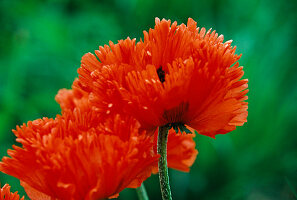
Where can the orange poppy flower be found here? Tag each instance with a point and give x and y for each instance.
(63, 158)
(181, 147)
(5, 194)
(178, 75)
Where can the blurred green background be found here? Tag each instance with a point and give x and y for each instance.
(41, 43)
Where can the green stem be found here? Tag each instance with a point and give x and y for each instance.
(163, 169)
(141, 192)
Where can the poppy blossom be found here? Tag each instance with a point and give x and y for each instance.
(177, 75)
(5, 194)
(63, 158)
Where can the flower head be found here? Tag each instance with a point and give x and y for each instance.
(178, 75)
(5, 194)
(65, 159)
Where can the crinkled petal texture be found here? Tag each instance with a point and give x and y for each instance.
(177, 74)
(5, 194)
(64, 158)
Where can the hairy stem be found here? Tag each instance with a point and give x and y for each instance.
(163, 169)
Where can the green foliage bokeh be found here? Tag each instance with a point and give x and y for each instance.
(41, 43)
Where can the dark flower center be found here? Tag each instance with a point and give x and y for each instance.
(179, 126)
(175, 117)
(161, 74)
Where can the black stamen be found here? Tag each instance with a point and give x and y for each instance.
(180, 126)
(161, 74)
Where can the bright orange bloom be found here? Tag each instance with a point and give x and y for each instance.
(181, 147)
(5, 194)
(178, 75)
(64, 158)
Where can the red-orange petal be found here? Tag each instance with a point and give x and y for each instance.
(6, 194)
